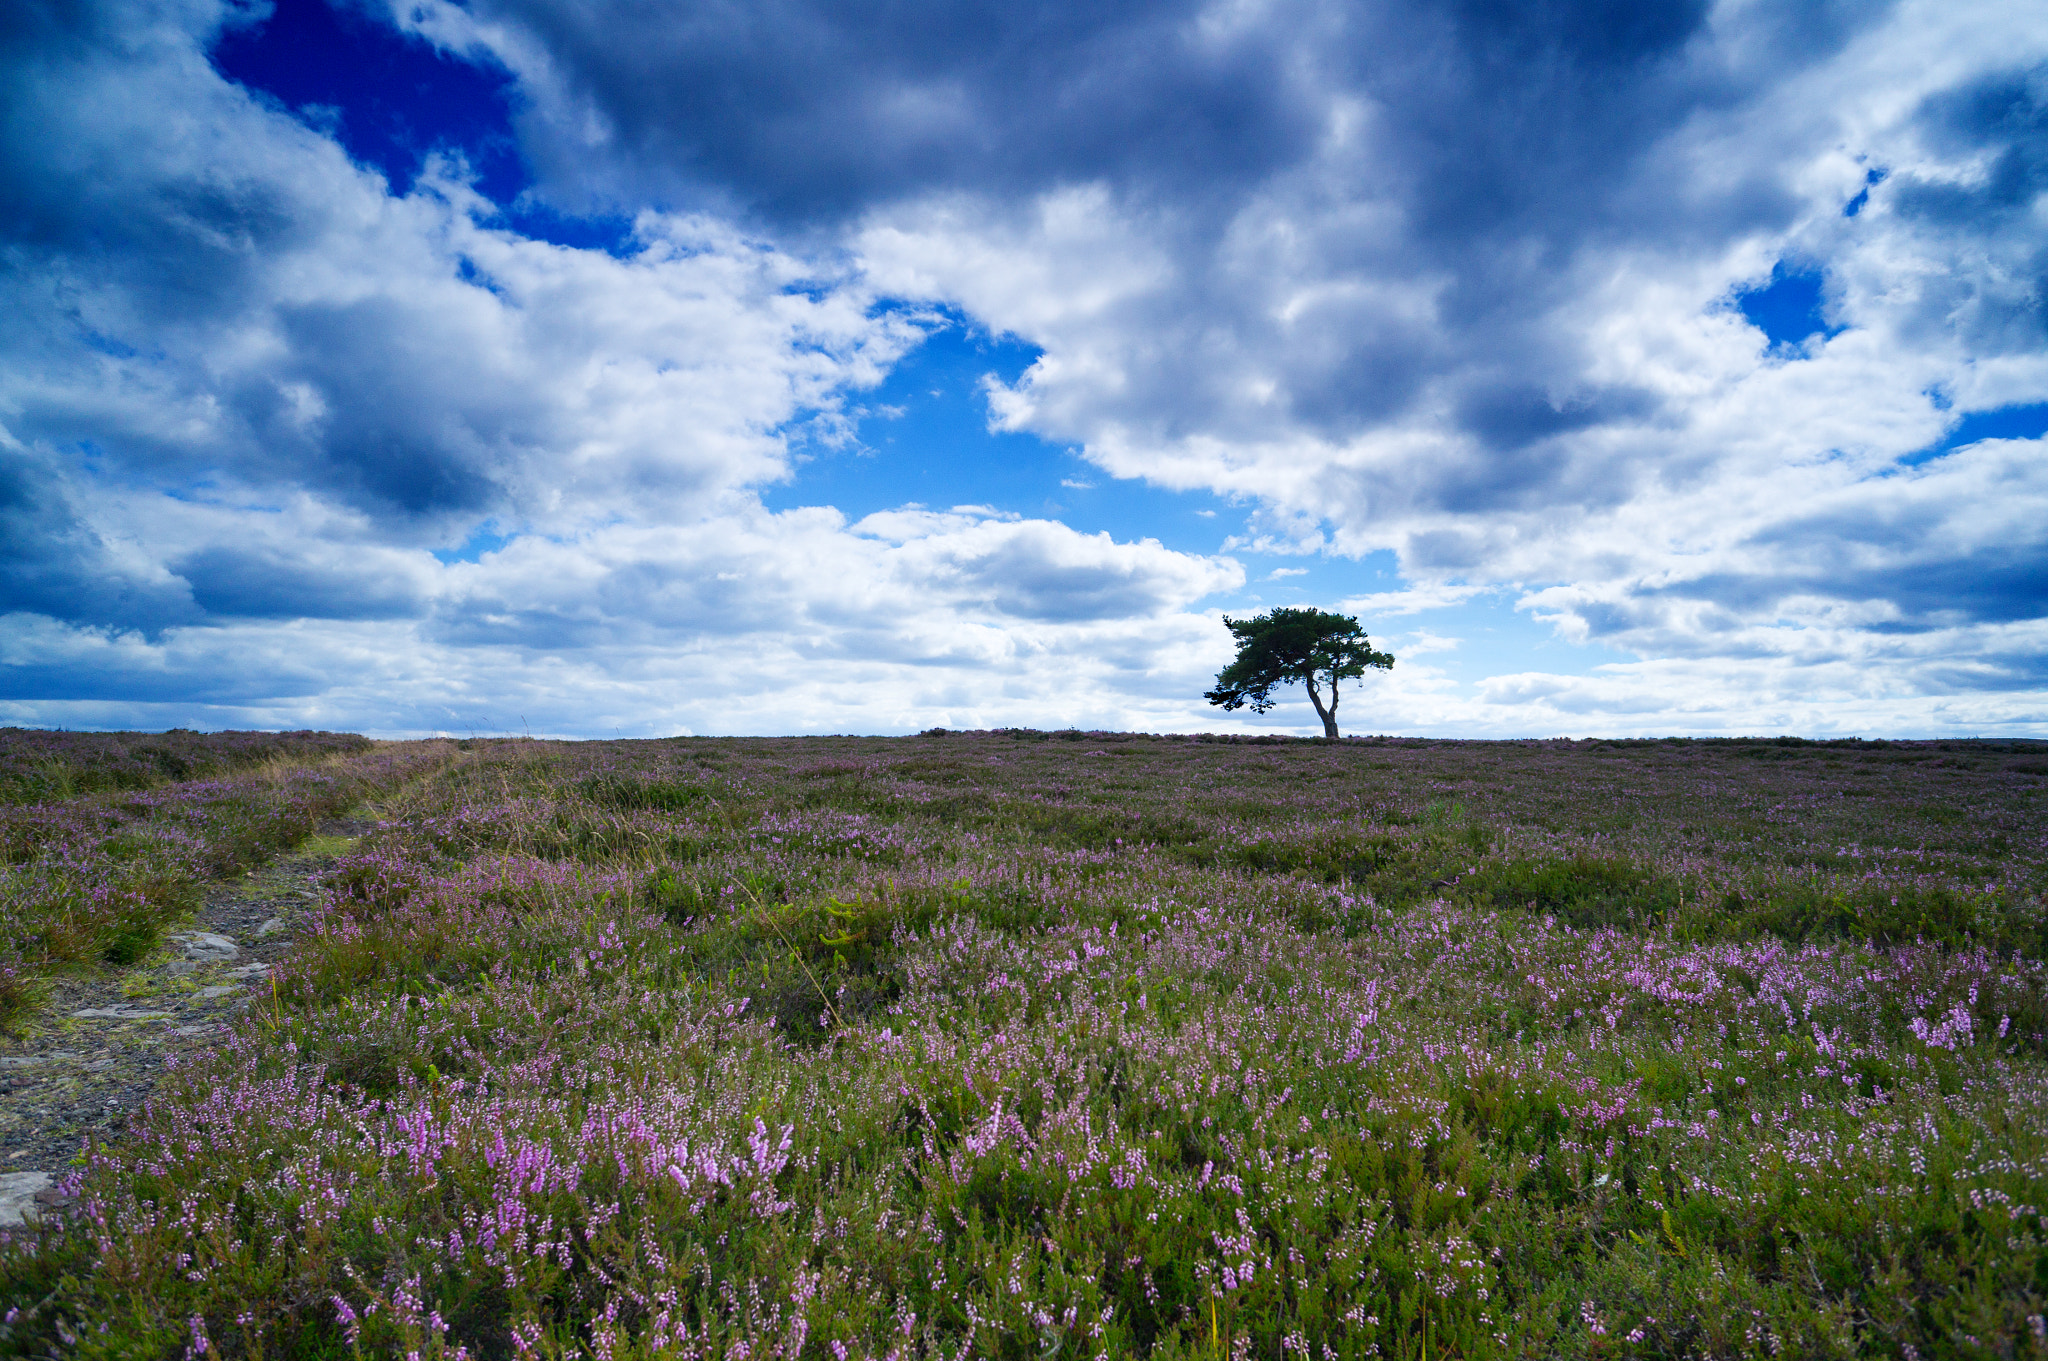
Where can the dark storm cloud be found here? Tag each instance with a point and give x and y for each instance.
(2004, 114)
(1024, 581)
(207, 683)
(273, 584)
(419, 423)
(1995, 586)
(1514, 116)
(1999, 121)
(1507, 136)
(53, 562)
(801, 109)
(185, 234)
(1512, 416)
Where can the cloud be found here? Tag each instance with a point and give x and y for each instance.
(1509, 349)
(208, 300)
(774, 620)
(53, 562)
(1044, 571)
(1422, 642)
(886, 583)
(65, 666)
(271, 584)
(804, 111)
(1433, 597)
(1681, 326)
(1952, 548)
(207, 288)
(251, 390)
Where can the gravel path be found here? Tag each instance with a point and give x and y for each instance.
(98, 1048)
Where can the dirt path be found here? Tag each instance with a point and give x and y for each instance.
(100, 1044)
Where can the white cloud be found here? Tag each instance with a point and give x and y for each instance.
(1322, 270)
(754, 621)
(1664, 485)
(279, 449)
(1432, 597)
(1422, 642)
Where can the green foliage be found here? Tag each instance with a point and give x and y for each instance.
(621, 791)
(1289, 645)
(38, 766)
(96, 880)
(1583, 890)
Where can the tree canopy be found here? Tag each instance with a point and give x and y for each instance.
(1312, 646)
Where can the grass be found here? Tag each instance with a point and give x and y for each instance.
(1034, 1045)
(91, 882)
(38, 766)
(321, 846)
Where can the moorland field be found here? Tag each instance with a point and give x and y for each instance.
(1041, 1045)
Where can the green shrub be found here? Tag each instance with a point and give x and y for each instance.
(1582, 890)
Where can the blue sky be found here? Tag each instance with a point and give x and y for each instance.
(589, 367)
(923, 437)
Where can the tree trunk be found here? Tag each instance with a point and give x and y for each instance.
(1329, 715)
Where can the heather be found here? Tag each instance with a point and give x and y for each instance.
(1024, 1044)
(94, 880)
(38, 766)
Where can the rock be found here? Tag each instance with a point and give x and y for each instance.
(35, 1060)
(205, 947)
(218, 990)
(18, 1193)
(249, 971)
(190, 1030)
(122, 1012)
(273, 927)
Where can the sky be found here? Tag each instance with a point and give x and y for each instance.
(637, 367)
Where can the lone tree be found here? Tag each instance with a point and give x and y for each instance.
(1310, 646)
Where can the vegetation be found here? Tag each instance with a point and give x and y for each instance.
(94, 881)
(39, 766)
(1313, 647)
(1032, 1045)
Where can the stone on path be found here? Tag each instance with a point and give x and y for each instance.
(123, 1012)
(273, 927)
(206, 947)
(18, 1196)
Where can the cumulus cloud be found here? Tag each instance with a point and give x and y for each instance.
(1516, 352)
(803, 111)
(1698, 330)
(207, 288)
(885, 584)
(795, 621)
(254, 404)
